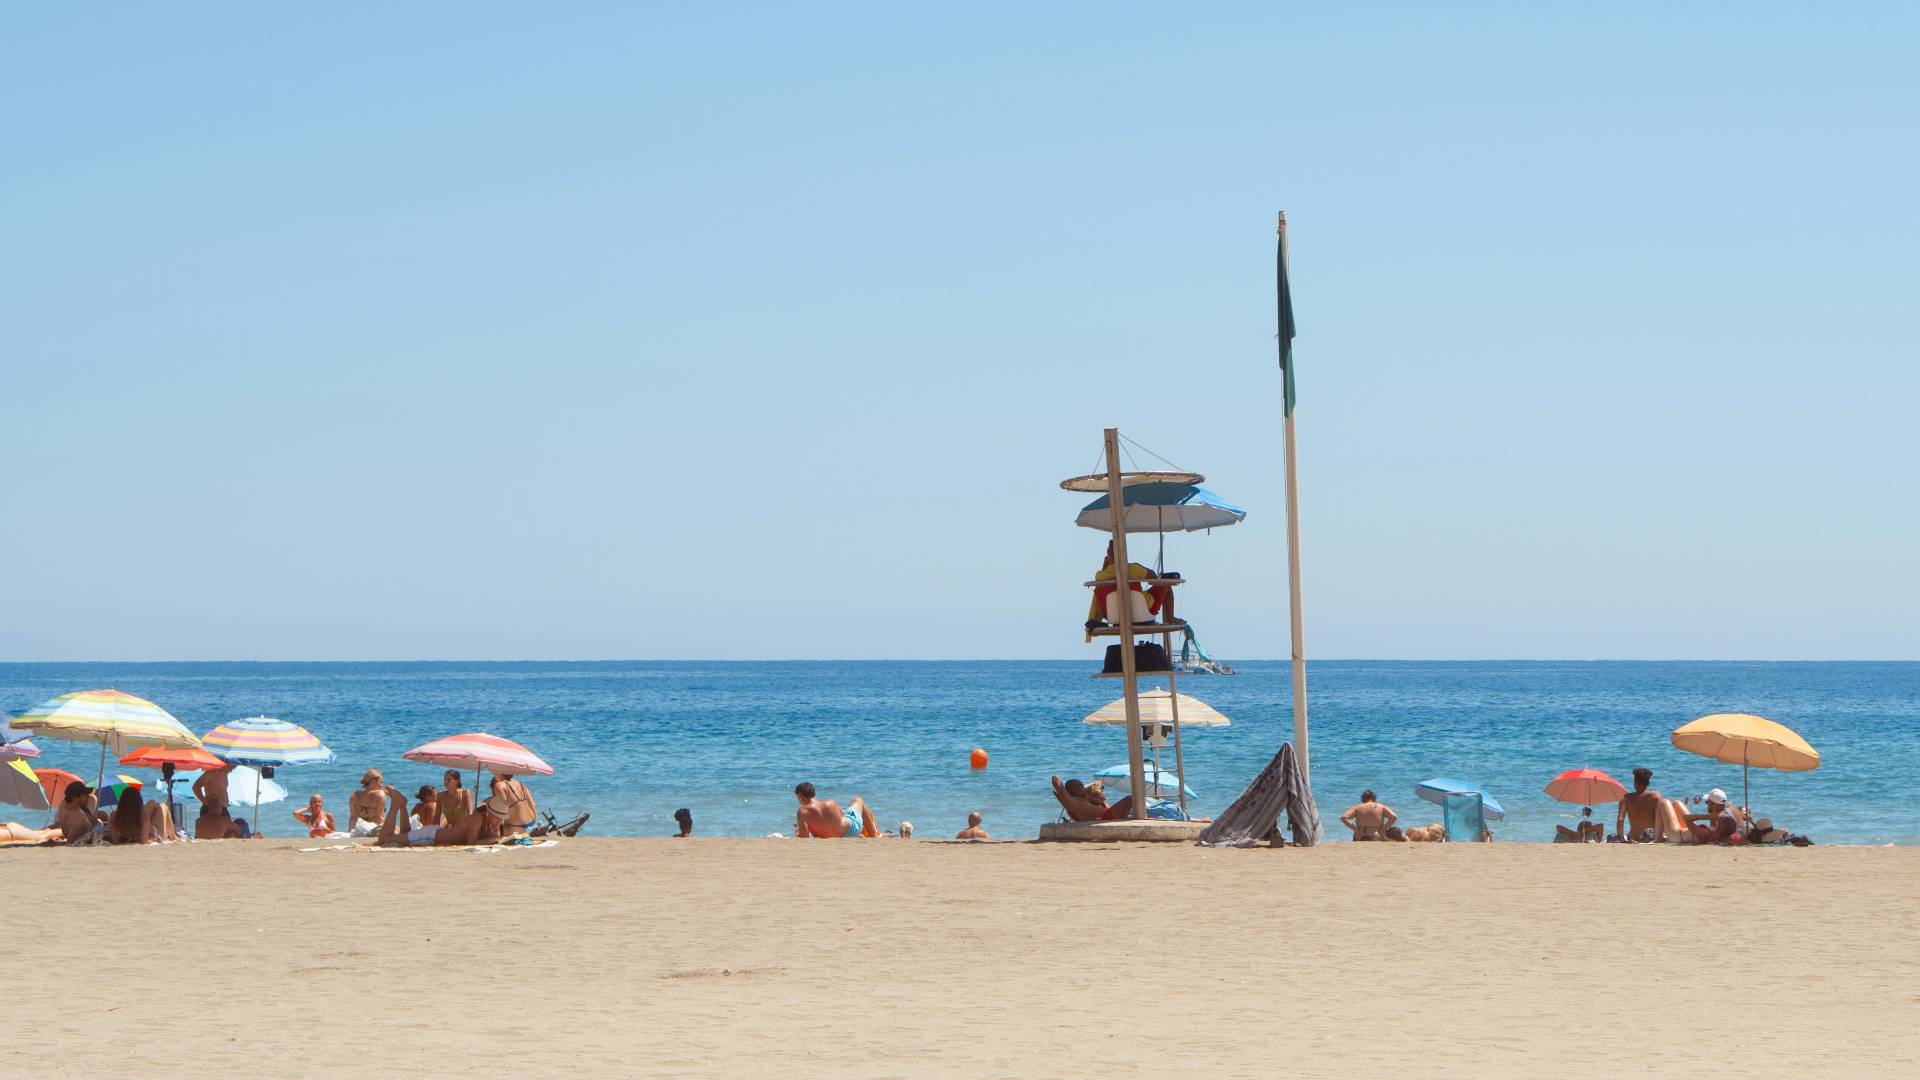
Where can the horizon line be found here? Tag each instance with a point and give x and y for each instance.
(1001, 659)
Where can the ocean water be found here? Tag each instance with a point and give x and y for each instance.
(631, 741)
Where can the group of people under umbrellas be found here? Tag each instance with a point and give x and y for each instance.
(145, 735)
(443, 817)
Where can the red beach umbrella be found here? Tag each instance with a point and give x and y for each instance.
(1585, 787)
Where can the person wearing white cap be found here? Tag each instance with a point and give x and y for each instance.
(1719, 825)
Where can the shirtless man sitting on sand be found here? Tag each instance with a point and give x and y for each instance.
(1081, 805)
(1640, 808)
(823, 819)
(214, 823)
(482, 827)
(79, 814)
(973, 831)
(1368, 818)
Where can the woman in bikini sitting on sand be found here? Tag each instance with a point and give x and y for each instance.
(136, 821)
(478, 828)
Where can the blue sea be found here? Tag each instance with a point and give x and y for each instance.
(632, 741)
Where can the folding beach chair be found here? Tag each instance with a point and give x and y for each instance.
(1465, 817)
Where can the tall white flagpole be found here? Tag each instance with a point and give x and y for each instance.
(1293, 556)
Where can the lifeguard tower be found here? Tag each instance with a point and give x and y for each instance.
(1145, 499)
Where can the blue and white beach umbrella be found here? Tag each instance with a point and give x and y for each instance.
(1161, 783)
(244, 785)
(1437, 790)
(1163, 508)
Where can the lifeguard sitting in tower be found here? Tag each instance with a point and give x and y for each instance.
(1155, 602)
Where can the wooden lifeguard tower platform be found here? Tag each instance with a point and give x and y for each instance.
(1138, 826)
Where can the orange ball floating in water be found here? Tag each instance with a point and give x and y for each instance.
(979, 758)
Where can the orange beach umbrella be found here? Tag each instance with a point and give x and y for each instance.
(1746, 740)
(54, 782)
(188, 758)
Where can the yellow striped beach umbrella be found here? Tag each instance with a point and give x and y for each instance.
(117, 721)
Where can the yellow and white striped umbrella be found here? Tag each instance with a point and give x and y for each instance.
(1156, 707)
(118, 722)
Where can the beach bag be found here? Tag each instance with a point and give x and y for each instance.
(1148, 657)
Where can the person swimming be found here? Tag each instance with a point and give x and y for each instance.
(684, 817)
(973, 831)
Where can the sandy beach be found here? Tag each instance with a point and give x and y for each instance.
(910, 959)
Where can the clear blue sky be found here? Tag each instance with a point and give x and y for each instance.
(503, 331)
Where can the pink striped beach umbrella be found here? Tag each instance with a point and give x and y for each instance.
(479, 750)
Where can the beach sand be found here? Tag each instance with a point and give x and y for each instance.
(910, 959)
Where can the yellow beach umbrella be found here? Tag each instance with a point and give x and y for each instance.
(117, 721)
(1746, 740)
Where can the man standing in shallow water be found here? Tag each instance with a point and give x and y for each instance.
(1641, 808)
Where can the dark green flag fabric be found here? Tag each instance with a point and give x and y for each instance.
(1286, 321)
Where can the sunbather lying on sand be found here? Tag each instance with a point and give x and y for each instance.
(1081, 805)
(478, 828)
(12, 832)
(823, 819)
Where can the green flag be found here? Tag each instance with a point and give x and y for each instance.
(1286, 320)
